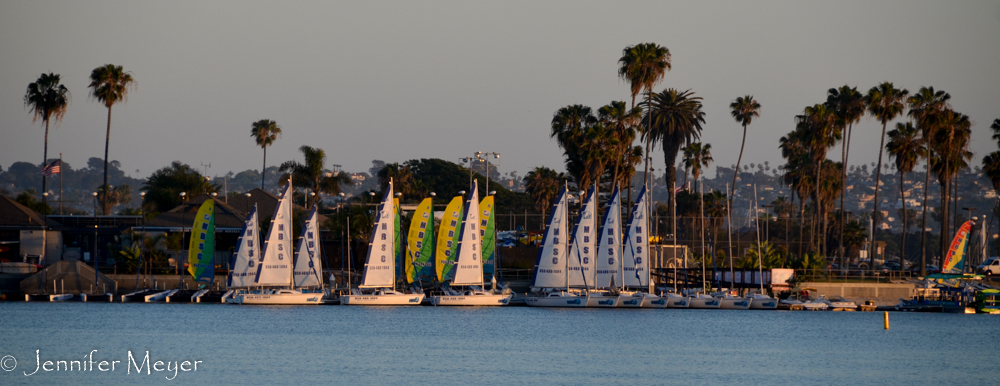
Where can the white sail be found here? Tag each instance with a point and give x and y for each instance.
(580, 264)
(275, 268)
(469, 264)
(243, 270)
(380, 267)
(635, 253)
(609, 247)
(308, 263)
(550, 268)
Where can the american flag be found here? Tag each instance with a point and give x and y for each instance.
(52, 168)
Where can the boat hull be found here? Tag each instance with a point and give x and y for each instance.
(159, 296)
(678, 301)
(277, 299)
(556, 301)
(764, 304)
(382, 300)
(472, 300)
(704, 303)
(602, 301)
(653, 301)
(735, 303)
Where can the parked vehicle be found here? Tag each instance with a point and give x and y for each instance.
(890, 266)
(990, 267)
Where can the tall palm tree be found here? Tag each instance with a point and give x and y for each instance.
(264, 132)
(924, 105)
(950, 149)
(850, 106)
(403, 179)
(643, 66)
(543, 184)
(311, 175)
(821, 128)
(622, 121)
(676, 118)
(569, 125)
(46, 98)
(797, 171)
(696, 156)
(744, 109)
(906, 147)
(110, 84)
(885, 102)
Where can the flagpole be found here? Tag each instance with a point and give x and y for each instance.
(60, 185)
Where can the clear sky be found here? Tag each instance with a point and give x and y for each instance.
(436, 79)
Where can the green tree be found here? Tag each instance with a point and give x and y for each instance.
(924, 106)
(906, 147)
(850, 106)
(404, 181)
(110, 84)
(950, 155)
(696, 156)
(29, 198)
(622, 121)
(820, 127)
(311, 175)
(543, 185)
(643, 66)
(744, 109)
(264, 133)
(46, 98)
(112, 196)
(885, 102)
(164, 186)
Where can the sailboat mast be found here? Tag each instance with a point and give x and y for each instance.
(760, 268)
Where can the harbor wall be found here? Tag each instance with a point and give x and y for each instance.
(127, 282)
(884, 292)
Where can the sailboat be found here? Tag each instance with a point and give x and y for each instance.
(549, 284)
(274, 277)
(378, 283)
(308, 261)
(447, 244)
(469, 264)
(419, 267)
(607, 267)
(635, 261)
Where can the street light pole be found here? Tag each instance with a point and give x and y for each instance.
(96, 263)
(142, 238)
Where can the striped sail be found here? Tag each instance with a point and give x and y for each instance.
(955, 260)
(243, 269)
(308, 262)
(469, 263)
(201, 250)
(447, 243)
(420, 244)
(487, 227)
(609, 245)
(550, 267)
(380, 262)
(580, 264)
(275, 264)
(634, 247)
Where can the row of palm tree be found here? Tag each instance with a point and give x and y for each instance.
(48, 99)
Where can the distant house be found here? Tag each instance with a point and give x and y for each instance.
(24, 238)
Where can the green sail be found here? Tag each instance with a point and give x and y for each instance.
(201, 250)
(447, 243)
(420, 244)
(487, 232)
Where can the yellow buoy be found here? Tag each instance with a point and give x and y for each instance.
(886, 320)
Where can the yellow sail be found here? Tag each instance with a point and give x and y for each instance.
(420, 251)
(447, 245)
(201, 251)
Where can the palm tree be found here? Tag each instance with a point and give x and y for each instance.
(543, 184)
(797, 171)
(264, 132)
(885, 102)
(46, 98)
(906, 146)
(950, 148)
(696, 156)
(622, 121)
(569, 125)
(403, 178)
(744, 109)
(820, 126)
(850, 106)
(109, 84)
(312, 176)
(996, 129)
(643, 66)
(924, 105)
(676, 118)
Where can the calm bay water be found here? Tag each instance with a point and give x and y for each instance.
(514, 345)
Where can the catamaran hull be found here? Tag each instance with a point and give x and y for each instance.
(653, 301)
(277, 299)
(735, 304)
(557, 301)
(472, 300)
(382, 300)
(600, 301)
